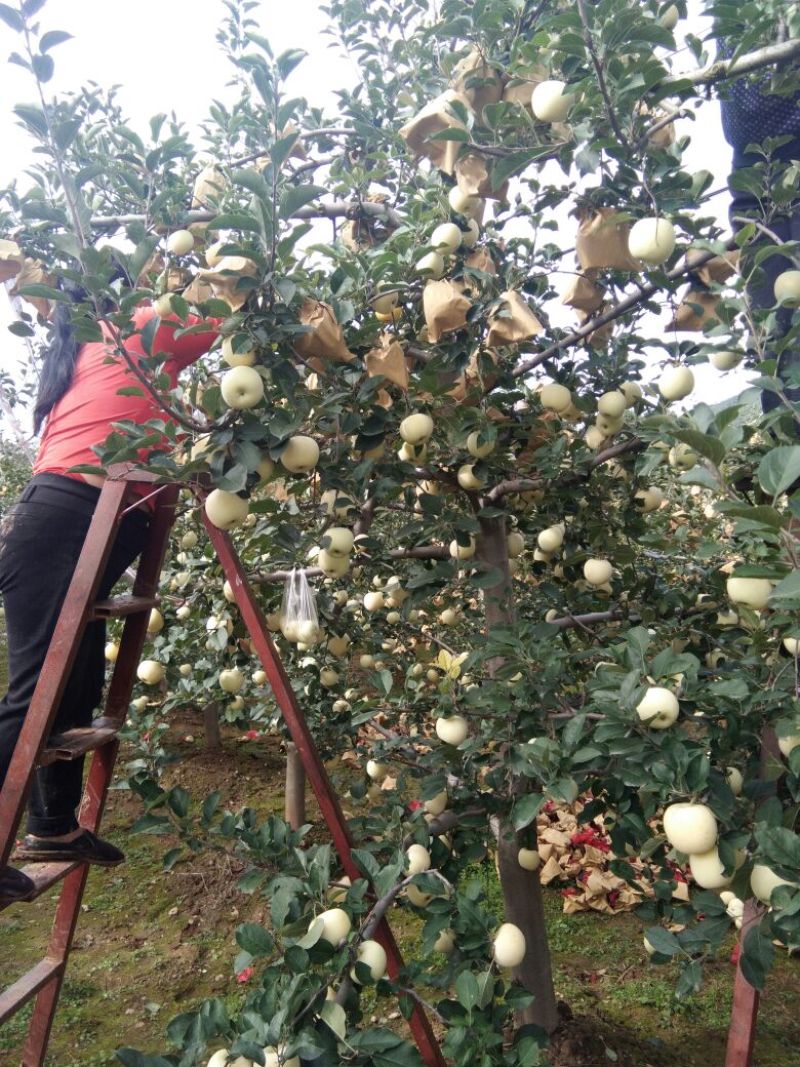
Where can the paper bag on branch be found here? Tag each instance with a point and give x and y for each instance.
(11, 260)
(513, 322)
(697, 309)
(224, 278)
(600, 337)
(472, 175)
(387, 359)
(436, 116)
(663, 137)
(445, 308)
(198, 292)
(324, 342)
(520, 87)
(210, 186)
(32, 273)
(482, 261)
(475, 79)
(602, 241)
(361, 233)
(717, 270)
(583, 294)
(471, 376)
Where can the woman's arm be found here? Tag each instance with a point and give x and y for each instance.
(186, 349)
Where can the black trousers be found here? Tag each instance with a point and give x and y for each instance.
(40, 543)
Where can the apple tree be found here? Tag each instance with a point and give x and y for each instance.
(545, 567)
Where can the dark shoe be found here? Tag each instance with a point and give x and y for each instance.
(14, 885)
(86, 848)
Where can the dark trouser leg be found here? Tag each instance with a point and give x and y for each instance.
(37, 559)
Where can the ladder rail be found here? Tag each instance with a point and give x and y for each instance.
(326, 795)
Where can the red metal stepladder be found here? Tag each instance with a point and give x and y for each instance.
(35, 746)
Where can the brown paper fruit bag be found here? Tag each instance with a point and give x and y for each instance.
(436, 116)
(224, 278)
(32, 273)
(358, 234)
(210, 186)
(602, 241)
(472, 175)
(583, 294)
(663, 137)
(445, 308)
(475, 79)
(482, 261)
(600, 337)
(11, 260)
(324, 342)
(387, 360)
(198, 292)
(717, 270)
(512, 322)
(698, 308)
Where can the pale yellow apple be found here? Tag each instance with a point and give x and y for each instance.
(509, 946)
(652, 240)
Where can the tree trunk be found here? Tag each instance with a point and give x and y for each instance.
(295, 793)
(211, 726)
(522, 891)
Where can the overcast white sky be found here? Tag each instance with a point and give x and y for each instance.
(164, 56)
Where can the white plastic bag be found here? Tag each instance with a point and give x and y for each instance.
(299, 620)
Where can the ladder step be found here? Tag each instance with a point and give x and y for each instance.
(75, 743)
(117, 607)
(44, 876)
(12, 999)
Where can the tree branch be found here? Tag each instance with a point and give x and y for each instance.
(421, 552)
(513, 485)
(601, 79)
(281, 576)
(351, 209)
(643, 293)
(723, 69)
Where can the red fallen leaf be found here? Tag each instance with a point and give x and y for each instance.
(570, 891)
(414, 805)
(590, 837)
(252, 735)
(613, 897)
(245, 975)
(735, 953)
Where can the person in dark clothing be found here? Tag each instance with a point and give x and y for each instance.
(751, 115)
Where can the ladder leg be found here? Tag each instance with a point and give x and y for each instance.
(744, 1011)
(325, 793)
(44, 1009)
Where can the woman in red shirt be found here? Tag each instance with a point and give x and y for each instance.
(83, 389)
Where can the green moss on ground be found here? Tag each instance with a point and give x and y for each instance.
(150, 945)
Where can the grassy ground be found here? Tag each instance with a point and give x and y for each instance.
(151, 944)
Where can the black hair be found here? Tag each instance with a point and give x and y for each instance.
(61, 353)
